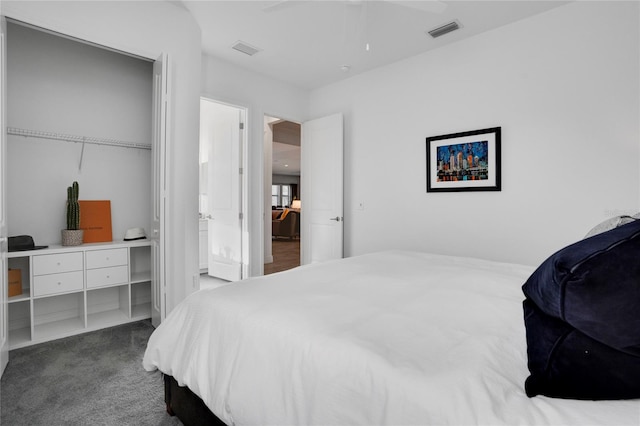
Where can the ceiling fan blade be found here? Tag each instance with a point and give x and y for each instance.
(272, 6)
(431, 6)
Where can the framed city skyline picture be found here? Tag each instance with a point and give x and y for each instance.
(465, 161)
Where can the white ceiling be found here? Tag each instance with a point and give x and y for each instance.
(306, 43)
(286, 159)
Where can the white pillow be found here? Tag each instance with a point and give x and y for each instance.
(610, 224)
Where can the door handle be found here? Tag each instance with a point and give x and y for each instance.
(337, 218)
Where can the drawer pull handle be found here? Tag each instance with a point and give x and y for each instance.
(58, 263)
(59, 283)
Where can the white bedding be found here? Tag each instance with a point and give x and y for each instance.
(387, 338)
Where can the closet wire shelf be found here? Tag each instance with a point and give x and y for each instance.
(74, 138)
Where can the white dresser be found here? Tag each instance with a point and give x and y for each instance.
(72, 290)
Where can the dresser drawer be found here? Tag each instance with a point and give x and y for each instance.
(57, 283)
(106, 258)
(56, 263)
(107, 276)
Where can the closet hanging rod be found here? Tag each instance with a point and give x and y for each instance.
(74, 138)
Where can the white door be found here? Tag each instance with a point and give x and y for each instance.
(4, 317)
(159, 190)
(221, 130)
(321, 180)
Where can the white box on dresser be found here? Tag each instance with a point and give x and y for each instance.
(72, 290)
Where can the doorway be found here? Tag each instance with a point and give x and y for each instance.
(282, 194)
(222, 189)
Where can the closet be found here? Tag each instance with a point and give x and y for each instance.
(76, 112)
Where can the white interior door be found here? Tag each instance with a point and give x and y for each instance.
(4, 317)
(321, 181)
(221, 131)
(159, 190)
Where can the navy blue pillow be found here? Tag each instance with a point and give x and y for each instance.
(565, 363)
(594, 286)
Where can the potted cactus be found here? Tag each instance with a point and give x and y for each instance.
(72, 236)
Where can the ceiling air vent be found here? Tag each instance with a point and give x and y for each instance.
(243, 47)
(446, 28)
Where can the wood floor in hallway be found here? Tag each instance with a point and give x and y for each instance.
(286, 255)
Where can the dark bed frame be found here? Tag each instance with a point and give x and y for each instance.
(187, 406)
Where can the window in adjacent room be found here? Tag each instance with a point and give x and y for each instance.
(280, 195)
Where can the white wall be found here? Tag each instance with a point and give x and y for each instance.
(261, 95)
(564, 87)
(148, 29)
(62, 86)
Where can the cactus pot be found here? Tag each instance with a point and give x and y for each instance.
(72, 237)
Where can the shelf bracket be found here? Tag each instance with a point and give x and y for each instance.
(81, 155)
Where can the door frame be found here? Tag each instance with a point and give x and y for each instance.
(4, 306)
(159, 182)
(266, 193)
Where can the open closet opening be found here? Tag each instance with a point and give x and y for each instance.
(76, 112)
(282, 192)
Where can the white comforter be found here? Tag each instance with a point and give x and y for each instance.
(388, 338)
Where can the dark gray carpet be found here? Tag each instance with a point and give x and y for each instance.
(91, 379)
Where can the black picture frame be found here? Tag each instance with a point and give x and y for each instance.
(464, 161)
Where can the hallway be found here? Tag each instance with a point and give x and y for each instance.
(286, 255)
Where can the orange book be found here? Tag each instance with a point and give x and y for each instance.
(15, 282)
(95, 220)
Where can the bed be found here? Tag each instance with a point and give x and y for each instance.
(393, 338)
